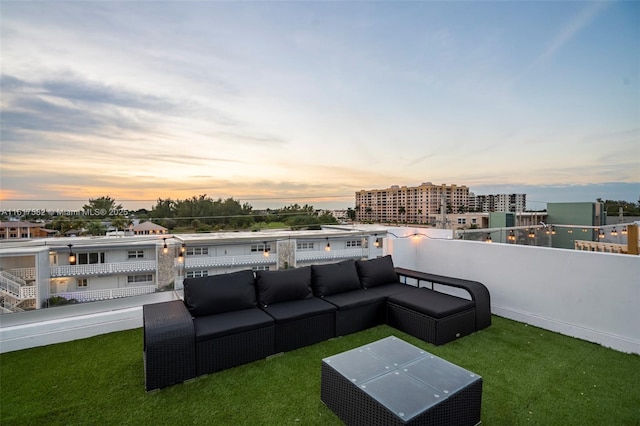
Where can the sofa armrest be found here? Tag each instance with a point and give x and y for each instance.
(478, 292)
(169, 344)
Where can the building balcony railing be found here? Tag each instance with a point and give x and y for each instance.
(192, 262)
(114, 293)
(26, 274)
(102, 268)
(305, 256)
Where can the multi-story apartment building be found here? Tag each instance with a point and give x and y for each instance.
(17, 230)
(422, 204)
(498, 202)
(97, 268)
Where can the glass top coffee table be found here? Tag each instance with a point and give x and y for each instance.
(390, 382)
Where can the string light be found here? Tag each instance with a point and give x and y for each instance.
(328, 246)
(266, 250)
(165, 249)
(488, 240)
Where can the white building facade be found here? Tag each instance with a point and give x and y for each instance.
(41, 273)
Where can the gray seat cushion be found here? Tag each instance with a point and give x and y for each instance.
(354, 298)
(228, 323)
(393, 288)
(298, 309)
(431, 303)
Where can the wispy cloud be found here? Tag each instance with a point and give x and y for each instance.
(568, 32)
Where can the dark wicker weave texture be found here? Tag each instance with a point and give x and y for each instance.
(229, 351)
(355, 407)
(169, 346)
(360, 318)
(296, 334)
(432, 330)
(478, 292)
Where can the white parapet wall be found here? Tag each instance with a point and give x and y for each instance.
(589, 295)
(71, 322)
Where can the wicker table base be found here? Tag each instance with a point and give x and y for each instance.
(391, 382)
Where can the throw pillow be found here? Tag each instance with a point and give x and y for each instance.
(217, 294)
(334, 278)
(283, 286)
(375, 272)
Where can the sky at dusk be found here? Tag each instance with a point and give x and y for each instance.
(308, 102)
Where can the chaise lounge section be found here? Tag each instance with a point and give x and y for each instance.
(235, 318)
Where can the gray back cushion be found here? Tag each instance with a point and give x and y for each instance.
(375, 272)
(283, 286)
(334, 278)
(220, 293)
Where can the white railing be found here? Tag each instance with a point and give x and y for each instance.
(114, 293)
(28, 292)
(102, 268)
(24, 273)
(333, 254)
(7, 307)
(249, 259)
(11, 277)
(14, 286)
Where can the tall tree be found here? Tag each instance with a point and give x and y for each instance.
(102, 207)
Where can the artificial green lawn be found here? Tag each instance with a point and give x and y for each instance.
(531, 376)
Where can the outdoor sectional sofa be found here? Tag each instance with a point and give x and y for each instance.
(231, 319)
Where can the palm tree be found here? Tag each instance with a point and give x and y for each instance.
(120, 222)
(402, 212)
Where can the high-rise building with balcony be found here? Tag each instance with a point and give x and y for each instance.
(422, 204)
(498, 202)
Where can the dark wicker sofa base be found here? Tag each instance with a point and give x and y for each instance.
(432, 330)
(179, 346)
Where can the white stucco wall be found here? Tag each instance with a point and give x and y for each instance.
(589, 295)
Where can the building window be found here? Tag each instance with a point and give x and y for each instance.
(135, 254)
(90, 258)
(82, 283)
(198, 251)
(354, 243)
(305, 246)
(25, 235)
(139, 278)
(462, 221)
(197, 274)
(260, 268)
(261, 248)
(474, 220)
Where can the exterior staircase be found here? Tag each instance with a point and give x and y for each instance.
(15, 293)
